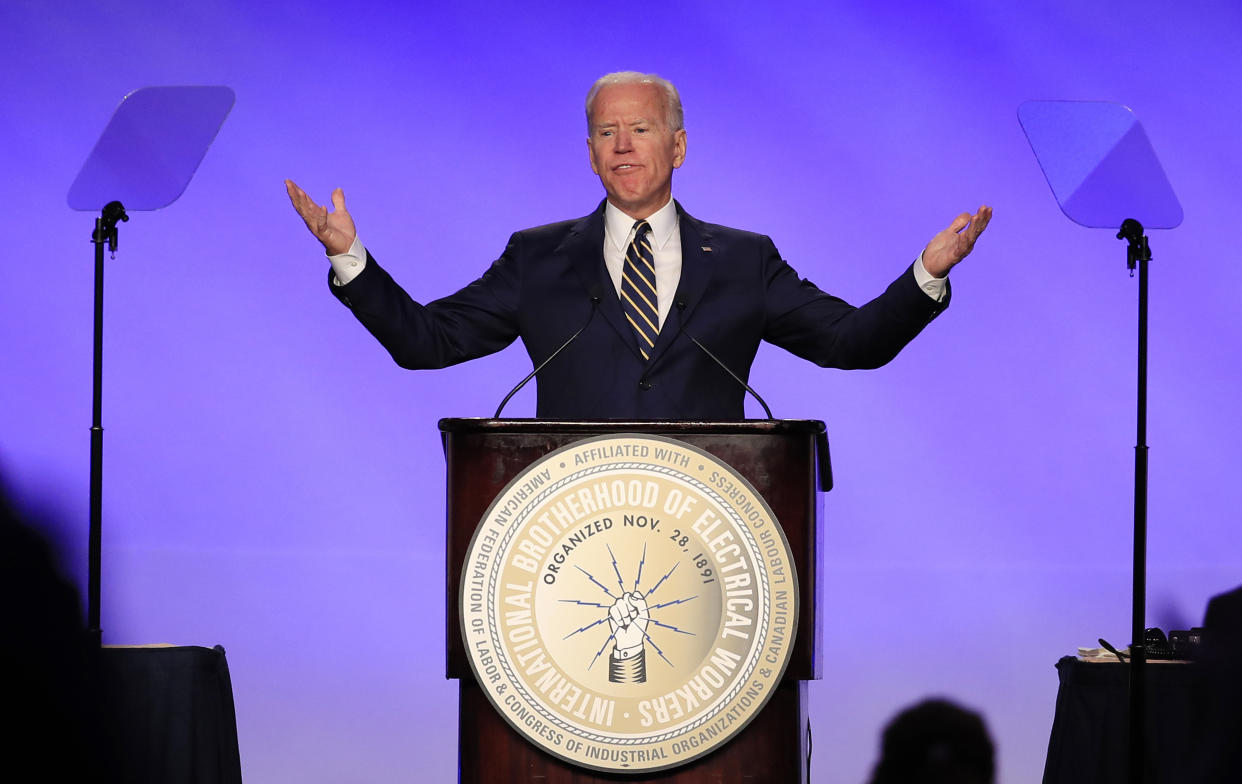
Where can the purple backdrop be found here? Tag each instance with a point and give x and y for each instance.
(274, 483)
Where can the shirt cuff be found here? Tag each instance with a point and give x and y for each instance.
(347, 265)
(932, 287)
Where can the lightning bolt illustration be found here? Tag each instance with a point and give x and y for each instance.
(657, 647)
(666, 604)
(668, 626)
(639, 578)
(584, 628)
(620, 582)
(601, 650)
(662, 579)
(597, 582)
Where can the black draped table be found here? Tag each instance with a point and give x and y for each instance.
(1090, 729)
(168, 712)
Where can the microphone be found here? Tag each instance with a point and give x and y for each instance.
(681, 308)
(595, 299)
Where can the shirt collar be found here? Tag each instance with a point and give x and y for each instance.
(619, 227)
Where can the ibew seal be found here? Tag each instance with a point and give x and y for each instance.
(629, 603)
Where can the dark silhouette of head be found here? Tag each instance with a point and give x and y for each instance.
(936, 742)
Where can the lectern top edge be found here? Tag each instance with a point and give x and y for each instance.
(484, 425)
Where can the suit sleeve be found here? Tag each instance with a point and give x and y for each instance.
(832, 333)
(479, 319)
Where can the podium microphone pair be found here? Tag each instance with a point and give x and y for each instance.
(596, 298)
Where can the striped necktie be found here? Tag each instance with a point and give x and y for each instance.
(638, 288)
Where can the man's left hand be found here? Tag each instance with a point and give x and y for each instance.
(955, 242)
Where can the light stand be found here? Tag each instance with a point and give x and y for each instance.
(1138, 254)
(105, 234)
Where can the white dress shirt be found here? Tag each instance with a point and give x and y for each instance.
(665, 248)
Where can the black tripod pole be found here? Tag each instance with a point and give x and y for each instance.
(105, 233)
(1137, 255)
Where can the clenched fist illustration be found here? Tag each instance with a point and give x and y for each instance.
(628, 618)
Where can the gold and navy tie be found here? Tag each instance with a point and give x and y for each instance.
(638, 288)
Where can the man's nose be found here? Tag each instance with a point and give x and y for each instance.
(621, 141)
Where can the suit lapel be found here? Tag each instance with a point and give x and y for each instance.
(696, 272)
(584, 246)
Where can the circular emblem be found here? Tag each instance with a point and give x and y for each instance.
(629, 603)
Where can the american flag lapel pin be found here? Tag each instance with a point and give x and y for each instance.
(706, 248)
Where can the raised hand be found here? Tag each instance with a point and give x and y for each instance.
(628, 618)
(334, 229)
(955, 242)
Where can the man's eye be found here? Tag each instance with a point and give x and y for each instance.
(605, 133)
(640, 130)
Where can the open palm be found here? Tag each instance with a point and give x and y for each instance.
(955, 242)
(334, 229)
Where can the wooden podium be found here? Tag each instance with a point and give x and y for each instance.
(787, 463)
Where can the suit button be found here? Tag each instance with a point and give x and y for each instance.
(644, 384)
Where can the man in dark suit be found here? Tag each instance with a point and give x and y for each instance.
(649, 292)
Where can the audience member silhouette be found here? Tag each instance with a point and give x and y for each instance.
(936, 742)
(1218, 757)
(51, 704)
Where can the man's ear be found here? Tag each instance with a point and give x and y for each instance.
(679, 151)
(591, 156)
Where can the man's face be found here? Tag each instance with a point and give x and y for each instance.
(632, 148)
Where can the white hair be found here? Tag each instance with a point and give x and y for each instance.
(674, 116)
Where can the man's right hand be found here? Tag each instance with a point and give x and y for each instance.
(334, 229)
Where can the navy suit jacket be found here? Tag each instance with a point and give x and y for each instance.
(735, 291)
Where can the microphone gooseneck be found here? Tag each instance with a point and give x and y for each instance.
(595, 299)
(681, 307)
